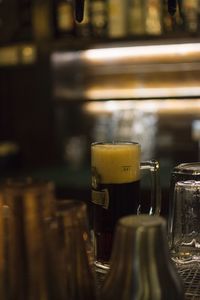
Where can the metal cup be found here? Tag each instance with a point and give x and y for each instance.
(141, 267)
(26, 208)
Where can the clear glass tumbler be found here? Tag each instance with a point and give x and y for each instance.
(185, 234)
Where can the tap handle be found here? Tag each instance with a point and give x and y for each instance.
(171, 7)
(79, 9)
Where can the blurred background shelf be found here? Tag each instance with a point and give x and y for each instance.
(128, 72)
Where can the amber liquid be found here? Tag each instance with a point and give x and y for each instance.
(123, 200)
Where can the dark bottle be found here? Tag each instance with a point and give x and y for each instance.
(24, 32)
(141, 268)
(168, 20)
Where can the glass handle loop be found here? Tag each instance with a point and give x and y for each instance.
(154, 168)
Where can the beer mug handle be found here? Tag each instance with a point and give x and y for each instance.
(154, 168)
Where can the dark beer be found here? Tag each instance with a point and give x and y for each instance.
(115, 190)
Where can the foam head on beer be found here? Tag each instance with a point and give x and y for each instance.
(117, 162)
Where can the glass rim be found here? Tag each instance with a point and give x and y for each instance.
(192, 168)
(144, 220)
(115, 143)
(189, 184)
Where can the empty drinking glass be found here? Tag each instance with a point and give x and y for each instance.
(185, 234)
(181, 172)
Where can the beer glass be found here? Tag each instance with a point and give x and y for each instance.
(181, 172)
(115, 191)
(185, 247)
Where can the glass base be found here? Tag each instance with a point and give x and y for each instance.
(186, 261)
(185, 258)
(101, 267)
(101, 270)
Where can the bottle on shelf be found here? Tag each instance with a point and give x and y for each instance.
(117, 18)
(65, 24)
(191, 11)
(168, 20)
(98, 17)
(153, 17)
(136, 17)
(43, 20)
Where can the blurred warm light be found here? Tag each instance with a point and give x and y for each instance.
(109, 54)
(160, 106)
(9, 56)
(28, 54)
(196, 130)
(18, 54)
(143, 92)
(132, 53)
(65, 57)
(27, 51)
(131, 72)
